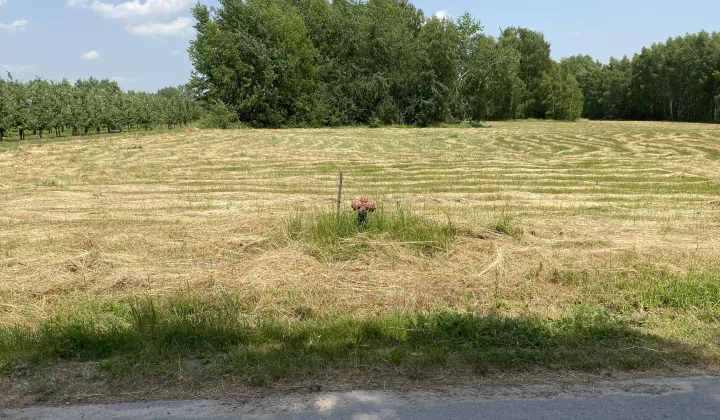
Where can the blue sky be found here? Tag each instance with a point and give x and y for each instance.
(142, 43)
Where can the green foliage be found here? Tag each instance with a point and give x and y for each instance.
(257, 57)
(312, 62)
(92, 104)
(563, 97)
(219, 115)
(675, 80)
(332, 237)
(488, 86)
(388, 112)
(535, 61)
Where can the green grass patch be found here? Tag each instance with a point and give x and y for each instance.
(507, 225)
(204, 338)
(332, 236)
(645, 288)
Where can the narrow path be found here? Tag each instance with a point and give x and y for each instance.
(677, 399)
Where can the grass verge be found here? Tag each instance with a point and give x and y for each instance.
(204, 338)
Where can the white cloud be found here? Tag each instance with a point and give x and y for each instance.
(141, 16)
(91, 55)
(442, 14)
(180, 27)
(18, 25)
(134, 9)
(3, 2)
(17, 69)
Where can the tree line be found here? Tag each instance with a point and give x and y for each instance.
(272, 63)
(345, 62)
(314, 62)
(677, 80)
(41, 106)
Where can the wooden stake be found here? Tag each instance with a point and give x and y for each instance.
(339, 194)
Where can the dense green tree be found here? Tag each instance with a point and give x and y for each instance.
(380, 61)
(674, 80)
(344, 62)
(561, 92)
(589, 74)
(41, 106)
(615, 102)
(489, 86)
(18, 107)
(256, 57)
(535, 61)
(426, 92)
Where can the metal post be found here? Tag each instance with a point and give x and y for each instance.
(339, 194)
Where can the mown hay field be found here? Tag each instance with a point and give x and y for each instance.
(618, 217)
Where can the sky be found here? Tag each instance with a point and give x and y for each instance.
(142, 44)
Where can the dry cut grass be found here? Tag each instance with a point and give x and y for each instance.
(547, 217)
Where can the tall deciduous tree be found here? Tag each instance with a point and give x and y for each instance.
(256, 57)
(535, 61)
(561, 93)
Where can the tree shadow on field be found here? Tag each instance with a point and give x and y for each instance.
(190, 340)
(416, 345)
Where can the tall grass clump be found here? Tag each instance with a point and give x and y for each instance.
(507, 225)
(328, 235)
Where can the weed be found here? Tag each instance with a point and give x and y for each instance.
(507, 225)
(50, 183)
